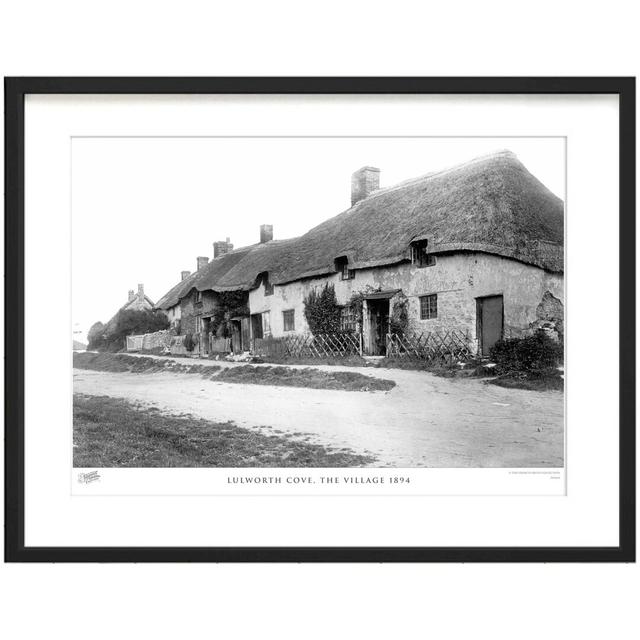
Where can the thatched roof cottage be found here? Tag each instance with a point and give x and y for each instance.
(477, 248)
(139, 301)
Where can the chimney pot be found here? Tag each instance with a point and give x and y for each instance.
(202, 261)
(266, 233)
(132, 295)
(221, 247)
(141, 291)
(363, 183)
(184, 275)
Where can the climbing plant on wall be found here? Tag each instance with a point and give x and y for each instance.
(321, 310)
(229, 304)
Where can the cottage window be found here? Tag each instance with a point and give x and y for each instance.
(266, 323)
(288, 319)
(348, 274)
(429, 307)
(348, 320)
(420, 256)
(342, 266)
(198, 297)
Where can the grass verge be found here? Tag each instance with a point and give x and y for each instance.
(242, 374)
(111, 432)
(539, 381)
(339, 361)
(125, 363)
(310, 378)
(410, 364)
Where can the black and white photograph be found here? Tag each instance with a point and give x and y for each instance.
(320, 320)
(318, 302)
(331, 326)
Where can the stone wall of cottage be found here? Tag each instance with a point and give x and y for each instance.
(457, 279)
(191, 310)
(173, 314)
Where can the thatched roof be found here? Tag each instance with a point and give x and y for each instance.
(136, 302)
(491, 205)
(203, 279)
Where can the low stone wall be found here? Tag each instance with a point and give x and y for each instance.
(157, 339)
(148, 341)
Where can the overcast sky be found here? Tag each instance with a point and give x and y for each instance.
(144, 208)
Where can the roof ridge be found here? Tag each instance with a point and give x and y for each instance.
(249, 247)
(472, 214)
(434, 174)
(222, 255)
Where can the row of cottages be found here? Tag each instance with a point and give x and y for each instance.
(477, 248)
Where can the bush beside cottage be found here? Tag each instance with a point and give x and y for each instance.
(530, 362)
(111, 337)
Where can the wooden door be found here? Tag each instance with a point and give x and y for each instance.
(490, 320)
(382, 328)
(205, 325)
(236, 337)
(378, 312)
(245, 333)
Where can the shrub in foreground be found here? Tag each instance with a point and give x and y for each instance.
(534, 353)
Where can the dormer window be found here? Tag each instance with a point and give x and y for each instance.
(268, 287)
(342, 267)
(420, 256)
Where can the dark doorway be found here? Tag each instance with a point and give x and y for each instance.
(245, 333)
(490, 321)
(240, 334)
(378, 326)
(236, 336)
(205, 328)
(256, 325)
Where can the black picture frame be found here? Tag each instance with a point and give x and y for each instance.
(15, 91)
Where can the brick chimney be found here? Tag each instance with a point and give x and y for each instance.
(132, 295)
(221, 247)
(184, 275)
(140, 292)
(266, 233)
(363, 183)
(202, 261)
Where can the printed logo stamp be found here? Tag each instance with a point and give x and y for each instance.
(87, 478)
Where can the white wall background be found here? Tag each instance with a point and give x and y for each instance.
(332, 38)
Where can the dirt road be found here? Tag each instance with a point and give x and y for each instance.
(424, 421)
